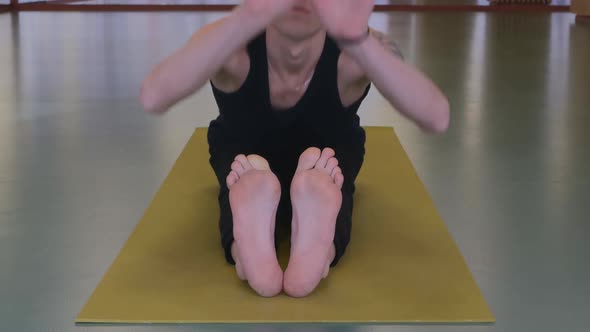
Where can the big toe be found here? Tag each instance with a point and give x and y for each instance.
(308, 159)
(258, 162)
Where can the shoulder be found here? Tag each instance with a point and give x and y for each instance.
(233, 73)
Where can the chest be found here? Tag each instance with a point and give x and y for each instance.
(285, 94)
(284, 97)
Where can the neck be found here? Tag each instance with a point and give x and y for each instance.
(291, 55)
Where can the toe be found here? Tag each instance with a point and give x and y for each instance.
(308, 159)
(338, 177)
(331, 165)
(327, 154)
(258, 162)
(237, 167)
(244, 163)
(232, 178)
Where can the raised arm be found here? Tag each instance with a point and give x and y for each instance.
(378, 61)
(211, 53)
(408, 90)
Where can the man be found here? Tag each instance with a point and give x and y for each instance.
(288, 77)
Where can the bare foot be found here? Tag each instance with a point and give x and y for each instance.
(316, 199)
(254, 197)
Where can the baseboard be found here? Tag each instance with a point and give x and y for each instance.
(204, 8)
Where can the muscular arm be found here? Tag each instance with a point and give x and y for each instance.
(209, 54)
(379, 61)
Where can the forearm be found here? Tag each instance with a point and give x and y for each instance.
(189, 68)
(406, 88)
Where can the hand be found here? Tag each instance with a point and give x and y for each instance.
(267, 10)
(345, 19)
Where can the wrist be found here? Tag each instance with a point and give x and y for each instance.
(249, 20)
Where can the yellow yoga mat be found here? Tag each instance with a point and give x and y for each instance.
(402, 266)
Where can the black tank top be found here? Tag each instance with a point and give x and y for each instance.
(248, 114)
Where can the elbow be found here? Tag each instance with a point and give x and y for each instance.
(440, 120)
(149, 98)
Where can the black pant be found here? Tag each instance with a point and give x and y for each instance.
(282, 148)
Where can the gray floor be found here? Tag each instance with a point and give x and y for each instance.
(79, 160)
